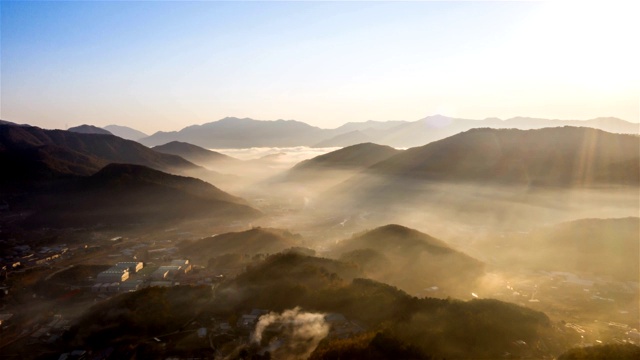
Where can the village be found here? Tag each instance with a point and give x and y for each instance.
(46, 289)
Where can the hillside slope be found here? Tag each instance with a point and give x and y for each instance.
(122, 194)
(253, 241)
(411, 260)
(195, 154)
(36, 152)
(566, 156)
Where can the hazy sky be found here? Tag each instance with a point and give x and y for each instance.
(165, 65)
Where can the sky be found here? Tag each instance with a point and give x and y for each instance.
(166, 65)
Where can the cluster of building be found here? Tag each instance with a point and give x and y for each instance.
(166, 274)
(115, 279)
(121, 277)
(21, 256)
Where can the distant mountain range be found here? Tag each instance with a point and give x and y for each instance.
(125, 132)
(243, 133)
(89, 129)
(240, 133)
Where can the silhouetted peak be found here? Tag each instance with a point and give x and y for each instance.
(89, 129)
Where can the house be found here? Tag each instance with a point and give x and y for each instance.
(247, 321)
(184, 265)
(131, 285)
(160, 273)
(5, 320)
(164, 272)
(113, 274)
(132, 266)
(335, 318)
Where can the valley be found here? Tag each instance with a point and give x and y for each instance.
(563, 247)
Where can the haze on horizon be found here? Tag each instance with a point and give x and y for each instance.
(166, 65)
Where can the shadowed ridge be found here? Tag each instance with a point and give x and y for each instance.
(134, 195)
(193, 153)
(134, 175)
(89, 129)
(72, 150)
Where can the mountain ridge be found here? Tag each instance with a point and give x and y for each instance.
(126, 195)
(233, 132)
(194, 153)
(125, 132)
(60, 152)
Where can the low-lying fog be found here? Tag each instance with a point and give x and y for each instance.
(284, 156)
(502, 226)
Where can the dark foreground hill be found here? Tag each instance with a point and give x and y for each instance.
(32, 154)
(122, 194)
(411, 260)
(195, 154)
(567, 156)
(399, 323)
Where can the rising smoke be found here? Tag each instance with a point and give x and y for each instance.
(299, 332)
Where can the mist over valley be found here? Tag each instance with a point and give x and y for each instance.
(324, 180)
(536, 227)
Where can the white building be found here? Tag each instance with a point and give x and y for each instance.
(132, 266)
(113, 274)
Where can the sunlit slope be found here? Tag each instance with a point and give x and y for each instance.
(437, 127)
(598, 247)
(310, 177)
(567, 156)
(412, 260)
(505, 178)
(352, 157)
(121, 194)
